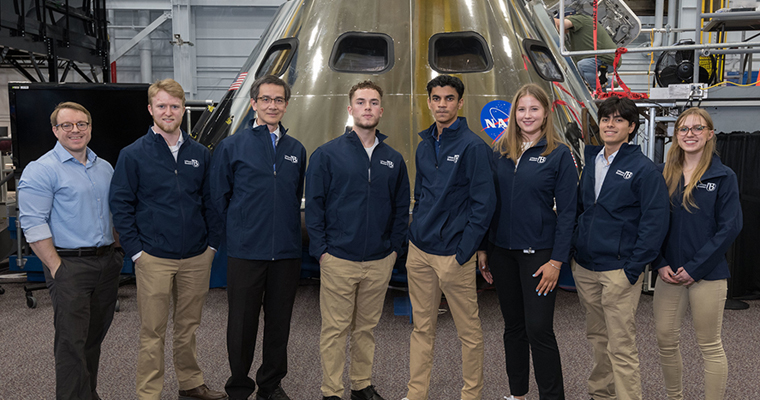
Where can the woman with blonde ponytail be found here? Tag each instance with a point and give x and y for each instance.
(705, 218)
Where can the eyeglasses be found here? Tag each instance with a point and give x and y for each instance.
(697, 130)
(268, 100)
(68, 126)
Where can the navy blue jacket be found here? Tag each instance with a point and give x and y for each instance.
(525, 196)
(624, 227)
(698, 240)
(356, 209)
(160, 205)
(259, 201)
(454, 195)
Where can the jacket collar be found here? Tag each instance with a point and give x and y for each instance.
(716, 169)
(157, 136)
(263, 129)
(459, 125)
(351, 134)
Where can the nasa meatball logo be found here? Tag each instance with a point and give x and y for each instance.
(494, 117)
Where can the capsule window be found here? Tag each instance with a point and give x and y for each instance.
(543, 61)
(278, 57)
(459, 52)
(362, 52)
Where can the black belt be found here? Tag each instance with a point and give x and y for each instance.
(85, 251)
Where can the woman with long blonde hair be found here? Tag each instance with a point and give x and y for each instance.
(705, 218)
(528, 241)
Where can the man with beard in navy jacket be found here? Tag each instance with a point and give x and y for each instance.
(454, 200)
(357, 213)
(257, 184)
(160, 200)
(623, 210)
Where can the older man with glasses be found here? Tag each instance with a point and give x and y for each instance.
(257, 178)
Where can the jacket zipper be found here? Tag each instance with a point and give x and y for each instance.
(274, 194)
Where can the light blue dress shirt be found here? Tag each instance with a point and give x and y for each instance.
(59, 197)
(600, 169)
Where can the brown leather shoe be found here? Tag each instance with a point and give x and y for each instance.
(202, 392)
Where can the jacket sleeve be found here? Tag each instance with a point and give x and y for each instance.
(653, 223)
(317, 186)
(400, 210)
(123, 201)
(482, 201)
(221, 180)
(210, 214)
(566, 198)
(728, 216)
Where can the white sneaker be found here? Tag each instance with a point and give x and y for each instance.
(509, 398)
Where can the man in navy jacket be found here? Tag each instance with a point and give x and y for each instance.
(357, 214)
(454, 200)
(257, 184)
(160, 200)
(623, 210)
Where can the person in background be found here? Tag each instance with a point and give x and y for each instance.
(528, 241)
(257, 184)
(81, 266)
(161, 203)
(357, 214)
(580, 32)
(622, 221)
(705, 218)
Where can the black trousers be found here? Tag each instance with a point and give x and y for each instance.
(84, 294)
(252, 284)
(528, 322)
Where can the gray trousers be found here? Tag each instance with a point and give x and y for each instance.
(84, 293)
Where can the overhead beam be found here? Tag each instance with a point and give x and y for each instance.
(141, 35)
(166, 5)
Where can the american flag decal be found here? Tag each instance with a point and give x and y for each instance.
(239, 81)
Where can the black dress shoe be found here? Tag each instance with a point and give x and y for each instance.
(330, 398)
(202, 392)
(368, 393)
(278, 394)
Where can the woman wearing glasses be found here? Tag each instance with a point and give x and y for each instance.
(705, 219)
(528, 241)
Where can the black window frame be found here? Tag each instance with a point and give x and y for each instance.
(533, 45)
(462, 35)
(359, 35)
(279, 45)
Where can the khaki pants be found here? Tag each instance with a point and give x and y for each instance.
(707, 299)
(351, 297)
(611, 302)
(430, 275)
(184, 282)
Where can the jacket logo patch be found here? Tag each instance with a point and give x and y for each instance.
(292, 159)
(624, 174)
(387, 163)
(539, 160)
(709, 186)
(193, 162)
(453, 158)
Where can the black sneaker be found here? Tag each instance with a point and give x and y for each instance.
(368, 393)
(277, 394)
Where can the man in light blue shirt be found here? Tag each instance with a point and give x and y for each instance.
(64, 213)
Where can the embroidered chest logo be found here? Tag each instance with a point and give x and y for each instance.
(539, 160)
(387, 163)
(624, 174)
(292, 159)
(453, 158)
(193, 162)
(709, 186)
